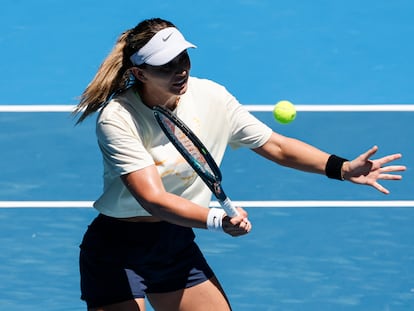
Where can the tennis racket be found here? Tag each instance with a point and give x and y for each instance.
(195, 153)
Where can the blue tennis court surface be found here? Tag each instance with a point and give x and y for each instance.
(310, 52)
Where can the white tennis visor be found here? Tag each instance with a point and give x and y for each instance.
(164, 46)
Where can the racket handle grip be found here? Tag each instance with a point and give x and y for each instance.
(229, 208)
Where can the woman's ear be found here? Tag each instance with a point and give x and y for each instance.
(139, 74)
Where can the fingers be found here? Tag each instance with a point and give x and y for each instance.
(246, 225)
(389, 177)
(389, 158)
(393, 168)
(385, 176)
(380, 188)
(369, 153)
(238, 225)
(362, 170)
(243, 225)
(384, 172)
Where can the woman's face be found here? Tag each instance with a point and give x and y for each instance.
(170, 78)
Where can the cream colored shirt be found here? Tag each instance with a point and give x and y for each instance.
(131, 139)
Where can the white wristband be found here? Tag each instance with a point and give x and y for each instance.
(215, 219)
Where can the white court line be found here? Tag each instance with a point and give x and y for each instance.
(320, 203)
(305, 108)
(280, 204)
(337, 108)
(36, 108)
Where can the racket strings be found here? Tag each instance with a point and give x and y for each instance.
(188, 146)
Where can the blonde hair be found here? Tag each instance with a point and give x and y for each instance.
(113, 75)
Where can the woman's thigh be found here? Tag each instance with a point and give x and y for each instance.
(206, 296)
(130, 305)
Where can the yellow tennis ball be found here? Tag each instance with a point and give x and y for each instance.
(284, 112)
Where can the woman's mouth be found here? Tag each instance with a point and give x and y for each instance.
(180, 83)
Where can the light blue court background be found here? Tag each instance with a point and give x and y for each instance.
(310, 52)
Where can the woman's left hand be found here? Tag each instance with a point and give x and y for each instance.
(364, 171)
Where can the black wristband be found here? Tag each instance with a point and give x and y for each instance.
(333, 168)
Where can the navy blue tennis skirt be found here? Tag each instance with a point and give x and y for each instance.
(122, 260)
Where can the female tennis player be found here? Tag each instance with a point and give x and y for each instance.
(142, 243)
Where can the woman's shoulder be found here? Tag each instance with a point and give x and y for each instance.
(203, 85)
(204, 82)
(118, 107)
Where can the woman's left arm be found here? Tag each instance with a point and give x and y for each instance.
(291, 152)
(299, 155)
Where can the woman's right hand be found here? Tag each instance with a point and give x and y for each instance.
(237, 225)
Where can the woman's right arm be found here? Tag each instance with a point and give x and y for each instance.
(147, 188)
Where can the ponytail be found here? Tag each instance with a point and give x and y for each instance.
(112, 76)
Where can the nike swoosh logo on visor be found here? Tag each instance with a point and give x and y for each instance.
(167, 37)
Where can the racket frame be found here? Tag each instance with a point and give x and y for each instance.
(213, 179)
